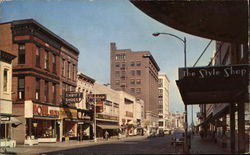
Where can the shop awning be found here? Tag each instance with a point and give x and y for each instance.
(11, 120)
(213, 84)
(217, 20)
(108, 126)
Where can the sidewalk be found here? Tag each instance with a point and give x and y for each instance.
(50, 147)
(199, 146)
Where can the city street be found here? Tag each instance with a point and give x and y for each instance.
(129, 145)
(134, 145)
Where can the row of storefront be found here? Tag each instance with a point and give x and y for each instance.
(47, 123)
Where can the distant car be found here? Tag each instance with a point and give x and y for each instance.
(161, 133)
(178, 137)
(151, 135)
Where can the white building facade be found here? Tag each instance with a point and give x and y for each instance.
(6, 117)
(163, 102)
(130, 114)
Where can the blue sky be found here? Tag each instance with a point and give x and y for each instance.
(90, 25)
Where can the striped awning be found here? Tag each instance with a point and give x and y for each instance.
(109, 126)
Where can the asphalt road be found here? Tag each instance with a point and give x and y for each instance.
(132, 145)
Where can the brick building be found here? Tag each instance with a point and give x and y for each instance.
(137, 74)
(46, 65)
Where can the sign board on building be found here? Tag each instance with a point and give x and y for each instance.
(97, 97)
(68, 113)
(213, 84)
(45, 110)
(72, 97)
(107, 117)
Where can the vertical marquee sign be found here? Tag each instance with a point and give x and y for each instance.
(72, 97)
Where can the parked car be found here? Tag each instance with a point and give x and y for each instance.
(178, 137)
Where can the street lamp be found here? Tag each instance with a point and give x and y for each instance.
(185, 65)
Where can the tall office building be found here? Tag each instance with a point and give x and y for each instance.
(136, 72)
(163, 100)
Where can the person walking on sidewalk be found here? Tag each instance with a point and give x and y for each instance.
(106, 134)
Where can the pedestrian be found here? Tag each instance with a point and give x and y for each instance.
(106, 135)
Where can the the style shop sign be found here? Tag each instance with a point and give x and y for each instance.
(234, 71)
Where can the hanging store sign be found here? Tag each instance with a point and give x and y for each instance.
(97, 97)
(225, 72)
(213, 84)
(72, 97)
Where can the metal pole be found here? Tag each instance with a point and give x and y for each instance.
(95, 119)
(186, 123)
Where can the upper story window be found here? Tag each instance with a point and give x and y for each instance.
(46, 91)
(46, 60)
(117, 64)
(132, 81)
(132, 63)
(21, 54)
(5, 80)
(133, 72)
(138, 63)
(160, 83)
(138, 81)
(117, 73)
(37, 56)
(138, 90)
(54, 93)
(138, 72)
(69, 70)
(63, 67)
(37, 89)
(21, 88)
(120, 56)
(54, 63)
(73, 71)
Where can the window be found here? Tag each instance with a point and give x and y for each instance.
(117, 64)
(133, 72)
(68, 69)
(117, 73)
(160, 83)
(21, 54)
(46, 60)
(5, 80)
(117, 82)
(138, 63)
(63, 67)
(21, 88)
(138, 90)
(138, 72)
(54, 93)
(132, 90)
(120, 56)
(37, 56)
(123, 65)
(46, 90)
(132, 63)
(160, 123)
(132, 81)
(73, 71)
(54, 63)
(37, 89)
(138, 81)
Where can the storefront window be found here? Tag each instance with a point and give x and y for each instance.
(44, 128)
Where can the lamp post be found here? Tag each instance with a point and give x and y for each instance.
(95, 140)
(185, 65)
